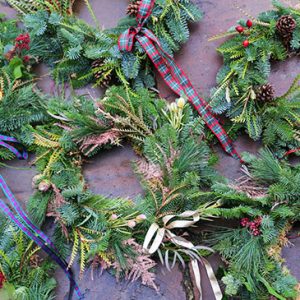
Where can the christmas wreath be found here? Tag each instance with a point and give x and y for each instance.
(60, 132)
(79, 53)
(243, 91)
(181, 188)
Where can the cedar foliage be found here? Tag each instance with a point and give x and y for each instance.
(27, 276)
(63, 7)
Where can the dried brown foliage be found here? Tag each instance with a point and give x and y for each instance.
(139, 267)
(148, 170)
(90, 143)
(247, 185)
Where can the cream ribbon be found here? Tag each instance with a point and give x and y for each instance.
(157, 234)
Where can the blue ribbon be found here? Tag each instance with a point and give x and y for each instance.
(36, 235)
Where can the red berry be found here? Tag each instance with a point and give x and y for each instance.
(256, 232)
(26, 58)
(249, 23)
(244, 222)
(23, 41)
(239, 29)
(246, 43)
(2, 280)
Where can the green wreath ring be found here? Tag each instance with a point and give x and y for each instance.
(60, 133)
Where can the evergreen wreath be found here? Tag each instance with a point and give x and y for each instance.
(176, 171)
(79, 53)
(60, 132)
(243, 91)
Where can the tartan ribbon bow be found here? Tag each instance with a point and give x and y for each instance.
(171, 72)
(156, 236)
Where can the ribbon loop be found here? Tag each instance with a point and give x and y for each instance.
(173, 75)
(4, 142)
(144, 12)
(158, 235)
(181, 223)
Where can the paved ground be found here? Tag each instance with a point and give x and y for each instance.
(110, 172)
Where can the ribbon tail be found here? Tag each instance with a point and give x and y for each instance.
(158, 234)
(211, 276)
(179, 83)
(16, 152)
(48, 250)
(10, 196)
(36, 235)
(144, 12)
(213, 280)
(197, 275)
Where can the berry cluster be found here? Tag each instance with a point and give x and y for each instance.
(2, 280)
(241, 29)
(253, 226)
(23, 41)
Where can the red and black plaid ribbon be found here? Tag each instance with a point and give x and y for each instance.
(171, 72)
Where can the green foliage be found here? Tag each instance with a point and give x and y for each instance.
(170, 21)
(281, 121)
(27, 106)
(16, 88)
(24, 279)
(255, 265)
(252, 272)
(245, 70)
(135, 114)
(63, 7)
(69, 45)
(183, 167)
(282, 177)
(232, 285)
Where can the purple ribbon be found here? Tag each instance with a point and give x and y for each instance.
(36, 235)
(18, 154)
